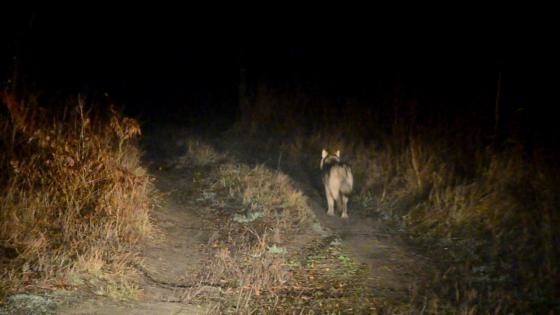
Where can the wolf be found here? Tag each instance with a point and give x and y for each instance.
(338, 181)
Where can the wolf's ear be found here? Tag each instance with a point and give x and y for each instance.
(324, 154)
(338, 153)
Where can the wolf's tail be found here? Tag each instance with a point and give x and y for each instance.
(347, 182)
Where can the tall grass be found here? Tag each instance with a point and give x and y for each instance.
(255, 212)
(73, 196)
(488, 213)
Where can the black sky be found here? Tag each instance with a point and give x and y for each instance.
(174, 56)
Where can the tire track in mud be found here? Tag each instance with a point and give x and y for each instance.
(396, 269)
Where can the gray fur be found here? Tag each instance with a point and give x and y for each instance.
(338, 182)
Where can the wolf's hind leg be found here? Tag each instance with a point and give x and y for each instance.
(344, 207)
(330, 202)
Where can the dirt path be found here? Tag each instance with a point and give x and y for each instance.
(396, 269)
(173, 263)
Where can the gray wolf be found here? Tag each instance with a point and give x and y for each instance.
(338, 181)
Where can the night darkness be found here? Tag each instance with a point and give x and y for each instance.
(451, 132)
(173, 61)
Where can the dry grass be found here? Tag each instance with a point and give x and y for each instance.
(256, 249)
(490, 215)
(249, 248)
(74, 196)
